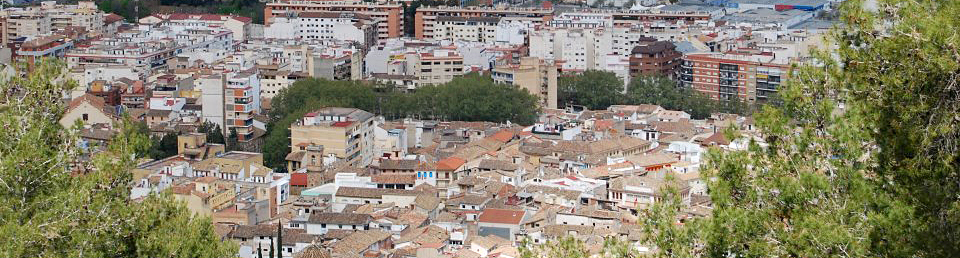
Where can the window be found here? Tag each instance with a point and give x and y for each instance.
(85, 117)
(323, 225)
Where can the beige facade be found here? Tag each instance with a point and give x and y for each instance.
(533, 74)
(89, 110)
(50, 17)
(346, 133)
(438, 67)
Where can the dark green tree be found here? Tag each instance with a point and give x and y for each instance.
(593, 89)
(213, 131)
(164, 147)
(279, 238)
(57, 201)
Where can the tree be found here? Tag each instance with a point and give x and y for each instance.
(213, 131)
(879, 177)
(164, 147)
(470, 98)
(593, 89)
(58, 201)
(566, 247)
(232, 141)
(663, 91)
(279, 238)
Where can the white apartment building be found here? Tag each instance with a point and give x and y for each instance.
(472, 29)
(323, 26)
(240, 26)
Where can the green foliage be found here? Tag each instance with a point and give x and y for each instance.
(48, 211)
(663, 91)
(593, 89)
(163, 147)
(470, 98)
(213, 131)
(878, 178)
(566, 247)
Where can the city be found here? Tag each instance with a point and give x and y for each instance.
(383, 128)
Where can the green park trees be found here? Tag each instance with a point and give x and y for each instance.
(470, 98)
(56, 200)
(598, 90)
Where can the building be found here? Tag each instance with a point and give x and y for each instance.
(537, 76)
(473, 29)
(239, 25)
(346, 133)
(427, 18)
(499, 222)
(325, 25)
(90, 110)
(34, 51)
(437, 67)
(241, 102)
(50, 17)
(654, 57)
(748, 76)
(390, 14)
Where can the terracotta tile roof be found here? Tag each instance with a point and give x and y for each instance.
(251, 231)
(502, 136)
(111, 18)
(374, 193)
(450, 164)
(359, 241)
(394, 178)
(715, 139)
(494, 164)
(393, 164)
(501, 216)
(340, 218)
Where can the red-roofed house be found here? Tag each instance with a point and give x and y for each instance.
(500, 222)
(447, 170)
(90, 110)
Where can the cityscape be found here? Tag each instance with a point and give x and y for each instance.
(480, 128)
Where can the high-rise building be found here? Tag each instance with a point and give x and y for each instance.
(653, 57)
(750, 77)
(427, 18)
(391, 15)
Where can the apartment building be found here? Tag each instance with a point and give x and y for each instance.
(239, 25)
(575, 50)
(83, 14)
(241, 102)
(473, 29)
(391, 15)
(346, 133)
(427, 18)
(436, 67)
(18, 23)
(50, 17)
(652, 57)
(148, 50)
(538, 76)
(34, 51)
(752, 77)
(355, 27)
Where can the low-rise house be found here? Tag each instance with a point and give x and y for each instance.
(484, 245)
(500, 222)
(322, 222)
(359, 195)
(89, 110)
(367, 243)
